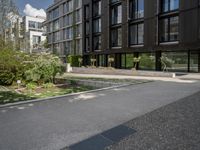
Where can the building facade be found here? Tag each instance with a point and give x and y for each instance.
(149, 29)
(13, 32)
(64, 27)
(33, 32)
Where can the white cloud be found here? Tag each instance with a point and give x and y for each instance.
(33, 12)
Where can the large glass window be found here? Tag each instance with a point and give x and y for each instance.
(102, 60)
(177, 60)
(97, 42)
(87, 44)
(169, 29)
(136, 9)
(169, 5)
(147, 61)
(97, 8)
(116, 14)
(194, 60)
(116, 37)
(137, 34)
(97, 25)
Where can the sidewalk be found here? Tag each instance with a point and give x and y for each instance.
(178, 79)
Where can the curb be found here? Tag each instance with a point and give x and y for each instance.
(69, 95)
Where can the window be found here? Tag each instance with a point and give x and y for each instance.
(87, 28)
(116, 14)
(36, 39)
(56, 25)
(68, 19)
(114, 1)
(87, 44)
(137, 34)
(169, 5)
(68, 6)
(56, 36)
(169, 29)
(35, 25)
(97, 25)
(56, 48)
(68, 47)
(116, 37)
(97, 42)
(102, 60)
(147, 61)
(68, 33)
(87, 12)
(136, 9)
(97, 8)
(78, 16)
(56, 13)
(77, 3)
(78, 30)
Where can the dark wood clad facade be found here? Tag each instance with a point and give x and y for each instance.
(186, 47)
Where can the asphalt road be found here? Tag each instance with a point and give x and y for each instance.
(54, 124)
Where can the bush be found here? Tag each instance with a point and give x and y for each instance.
(46, 67)
(6, 78)
(48, 85)
(31, 86)
(74, 60)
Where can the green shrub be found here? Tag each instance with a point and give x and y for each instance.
(6, 77)
(74, 60)
(31, 86)
(48, 85)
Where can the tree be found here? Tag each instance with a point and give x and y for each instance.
(12, 65)
(7, 7)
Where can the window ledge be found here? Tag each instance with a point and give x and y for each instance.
(117, 47)
(169, 43)
(133, 46)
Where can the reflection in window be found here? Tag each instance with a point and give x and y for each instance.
(169, 29)
(137, 34)
(116, 14)
(116, 37)
(169, 5)
(136, 9)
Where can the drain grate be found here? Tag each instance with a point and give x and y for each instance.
(107, 138)
(118, 133)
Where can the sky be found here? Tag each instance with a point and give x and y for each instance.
(33, 5)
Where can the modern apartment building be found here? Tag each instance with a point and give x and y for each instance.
(64, 27)
(149, 29)
(33, 34)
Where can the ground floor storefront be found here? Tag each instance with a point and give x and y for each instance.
(182, 61)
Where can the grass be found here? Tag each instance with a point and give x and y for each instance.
(55, 91)
(11, 96)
